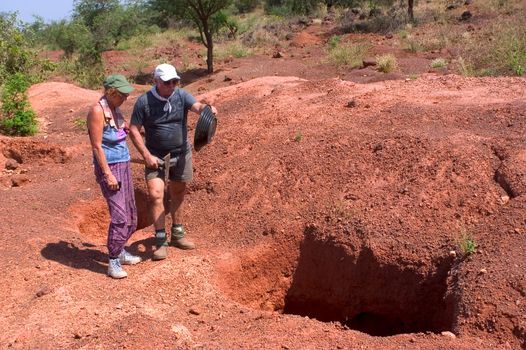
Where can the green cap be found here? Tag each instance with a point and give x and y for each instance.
(118, 82)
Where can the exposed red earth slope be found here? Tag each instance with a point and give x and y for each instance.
(327, 215)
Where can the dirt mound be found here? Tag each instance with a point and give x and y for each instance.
(59, 105)
(370, 196)
(327, 214)
(303, 39)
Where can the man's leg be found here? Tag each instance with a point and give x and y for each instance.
(177, 193)
(156, 197)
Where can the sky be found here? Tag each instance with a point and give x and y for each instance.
(50, 10)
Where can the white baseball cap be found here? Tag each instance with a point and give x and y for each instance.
(166, 72)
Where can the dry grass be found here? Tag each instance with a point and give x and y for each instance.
(348, 54)
(498, 49)
(386, 63)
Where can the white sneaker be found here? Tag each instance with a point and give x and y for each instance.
(126, 258)
(115, 269)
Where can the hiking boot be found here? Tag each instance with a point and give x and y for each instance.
(115, 269)
(128, 259)
(178, 238)
(160, 253)
(183, 243)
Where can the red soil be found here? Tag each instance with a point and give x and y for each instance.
(327, 214)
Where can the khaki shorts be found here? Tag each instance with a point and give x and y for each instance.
(182, 170)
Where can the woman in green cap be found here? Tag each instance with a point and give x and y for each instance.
(111, 159)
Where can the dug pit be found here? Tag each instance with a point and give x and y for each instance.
(347, 283)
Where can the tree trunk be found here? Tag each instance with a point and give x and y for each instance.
(209, 46)
(209, 53)
(410, 10)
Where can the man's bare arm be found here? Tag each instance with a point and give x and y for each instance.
(136, 137)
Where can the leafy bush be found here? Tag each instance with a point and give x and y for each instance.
(386, 63)
(222, 22)
(17, 116)
(87, 71)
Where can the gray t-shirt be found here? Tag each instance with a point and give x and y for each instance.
(164, 131)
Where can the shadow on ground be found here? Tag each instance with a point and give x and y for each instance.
(88, 256)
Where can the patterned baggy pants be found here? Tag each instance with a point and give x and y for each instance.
(121, 203)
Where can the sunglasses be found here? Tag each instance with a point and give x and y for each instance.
(171, 82)
(123, 95)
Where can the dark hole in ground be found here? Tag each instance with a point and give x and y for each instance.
(331, 283)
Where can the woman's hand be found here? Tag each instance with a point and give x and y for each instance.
(112, 182)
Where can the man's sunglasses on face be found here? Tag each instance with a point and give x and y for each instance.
(171, 82)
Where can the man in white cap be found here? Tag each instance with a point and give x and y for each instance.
(162, 112)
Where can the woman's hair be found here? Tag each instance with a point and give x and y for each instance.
(111, 91)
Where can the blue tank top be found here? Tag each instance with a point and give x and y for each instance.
(113, 135)
(114, 145)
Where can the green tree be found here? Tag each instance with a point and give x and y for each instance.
(201, 14)
(89, 10)
(16, 54)
(69, 36)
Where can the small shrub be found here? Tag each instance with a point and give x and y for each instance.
(442, 37)
(413, 46)
(342, 210)
(17, 116)
(386, 63)
(80, 123)
(465, 68)
(298, 137)
(236, 50)
(249, 22)
(351, 56)
(187, 64)
(438, 63)
(334, 41)
(467, 244)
